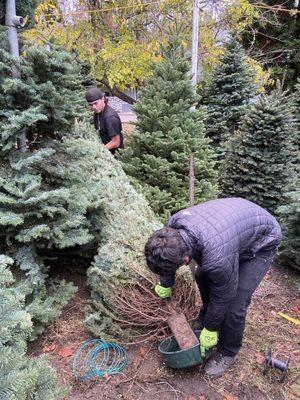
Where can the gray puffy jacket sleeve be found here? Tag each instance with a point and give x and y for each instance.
(220, 233)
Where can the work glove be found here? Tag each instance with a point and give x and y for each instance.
(163, 292)
(207, 339)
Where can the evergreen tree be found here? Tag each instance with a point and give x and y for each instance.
(289, 212)
(296, 100)
(259, 159)
(289, 217)
(274, 40)
(228, 94)
(45, 195)
(21, 377)
(168, 131)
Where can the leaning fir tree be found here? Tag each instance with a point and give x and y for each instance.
(228, 94)
(123, 301)
(260, 156)
(167, 131)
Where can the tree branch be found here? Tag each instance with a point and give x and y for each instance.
(116, 92)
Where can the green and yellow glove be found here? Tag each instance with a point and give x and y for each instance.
(163, 292)
(207, 339)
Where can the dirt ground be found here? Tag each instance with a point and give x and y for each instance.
(146, 377)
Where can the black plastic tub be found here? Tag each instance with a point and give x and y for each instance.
(174, 357)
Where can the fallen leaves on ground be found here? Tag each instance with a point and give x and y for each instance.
(259, 357)
(107, 377)
(293, 392)
(229, 396)
(142, 352)
(66, 351)
(49, 347)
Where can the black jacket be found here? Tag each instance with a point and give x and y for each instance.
(220, 233)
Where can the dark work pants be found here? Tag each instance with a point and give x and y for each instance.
(251, 273)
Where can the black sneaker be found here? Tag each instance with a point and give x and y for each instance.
(218, 364)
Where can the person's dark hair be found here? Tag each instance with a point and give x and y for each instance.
(165, 251)
(93, 94)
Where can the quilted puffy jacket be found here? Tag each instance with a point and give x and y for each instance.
(220, 233)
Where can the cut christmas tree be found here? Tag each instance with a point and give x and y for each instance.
(230, 89)
(260, 157)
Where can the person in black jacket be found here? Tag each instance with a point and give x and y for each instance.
(106, 120)
(233, 242)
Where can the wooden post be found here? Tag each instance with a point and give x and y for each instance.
(192, 263)
(191, 181)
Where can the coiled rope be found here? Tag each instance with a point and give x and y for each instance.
(97, 357)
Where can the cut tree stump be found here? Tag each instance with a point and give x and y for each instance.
(180, 327)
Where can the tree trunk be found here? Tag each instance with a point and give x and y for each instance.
(181, 329)
(116, 92)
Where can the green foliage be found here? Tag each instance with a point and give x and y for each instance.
(45, 298)
(227, 95)
(21, 377)
(273, 40)
(289, 217)
(289, 211)
(260, 157)
(126, 222)
(45, 195)
(118, 38)
(168, 131)
(45, 101)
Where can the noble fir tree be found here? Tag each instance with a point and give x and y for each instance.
(289, 212)
(260, 156)
(289, 218)
(167, 131)
(227, 95)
